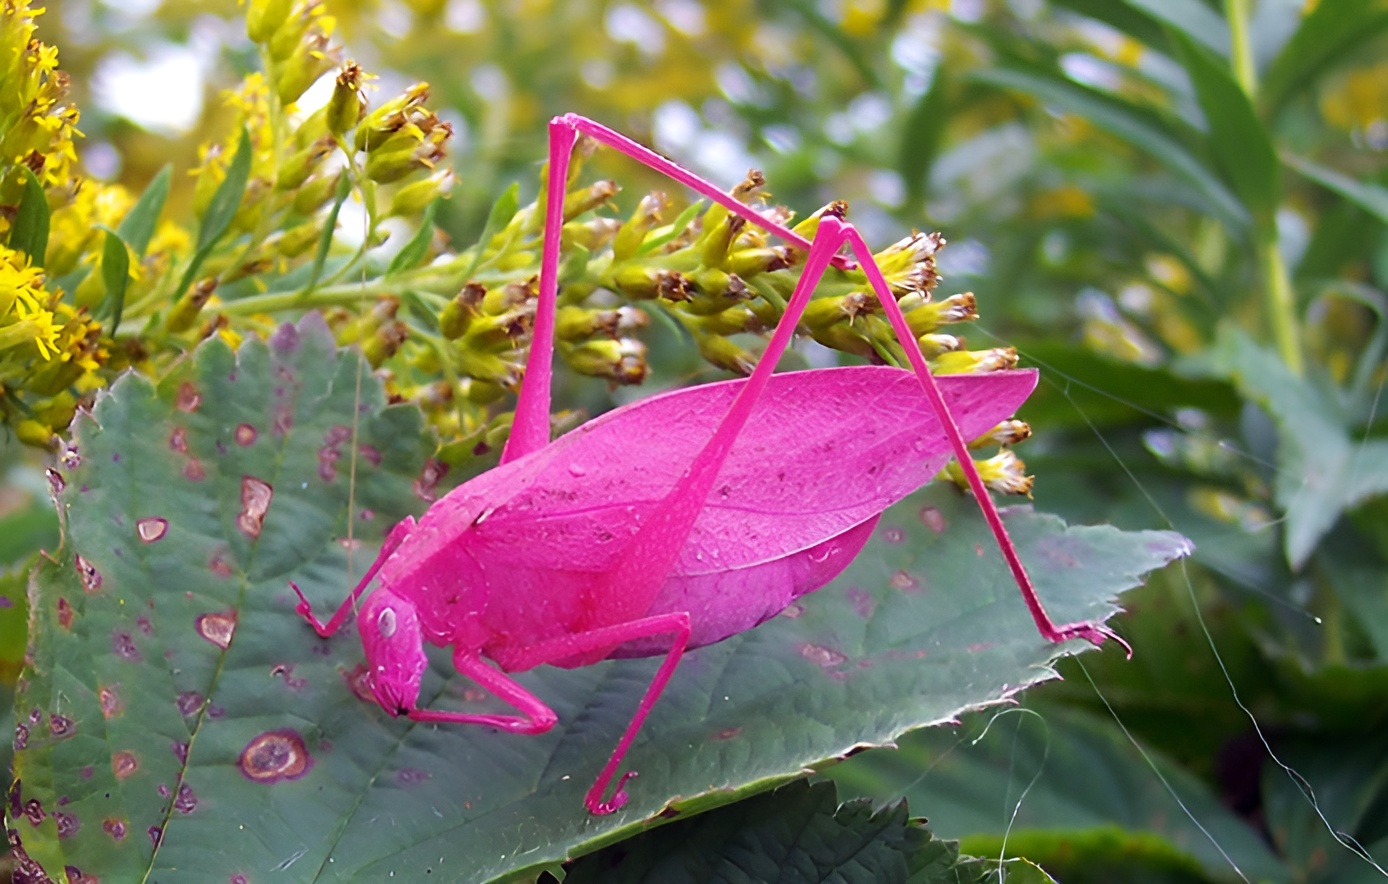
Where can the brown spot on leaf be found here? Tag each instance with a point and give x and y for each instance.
(793, 611)
(156, 834)
(189, 702)
(123, 764)
(274, 756)
(358, 680)
(428, 482)
(64, 613)
(411, 776)
(186, 802)
(152, 529)
(933, 519)
(727, 733)
(245, 435)
(255, 500)
(111, 703)
(61, 727)
(904, 581)
(217, 627)
(33, 809)
(178, 440)
(218, 564)
(70, 458)
(193, 470)
(893, 535)
(21, 737)
(820, 655)
(91, 578)
(188, 398)
(67, 824)
(115, 828)
(56, 482)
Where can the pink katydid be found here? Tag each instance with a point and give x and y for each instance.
(673, 522)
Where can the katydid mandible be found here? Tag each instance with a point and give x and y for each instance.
(673, 522)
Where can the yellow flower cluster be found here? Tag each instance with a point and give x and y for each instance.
(47, 348)
(36, 122)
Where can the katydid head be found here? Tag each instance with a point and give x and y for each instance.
(389, 627)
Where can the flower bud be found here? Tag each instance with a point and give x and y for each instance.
(486, 367)
(747, 263)
(264, 17)
(299, 239)
(579, 201)
(1004, 473)
(622, 361)
(647, 283)
(315, 192)
(725, 354)
(810, 226)
(297, 169)
(383, 122)
(458, 313)
(310, 60)
(975, 361)
(633, 232)
(1009, 432)
(590, 235)
(415, 197)
(716, 291)
(925, 316)
(347, 103)
(185, 311)
(384, 342)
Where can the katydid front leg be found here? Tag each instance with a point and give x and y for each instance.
(393, 540)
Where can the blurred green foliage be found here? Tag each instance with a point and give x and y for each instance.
(1176, 209)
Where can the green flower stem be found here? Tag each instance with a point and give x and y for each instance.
(1279, 299)
(1241, 50)
(1281, 303)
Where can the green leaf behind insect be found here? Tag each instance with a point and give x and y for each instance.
(222, 209)
(173, 686)
(137, 227)
(414, 251)
(115, 274)
(29, 235)
(798, 831)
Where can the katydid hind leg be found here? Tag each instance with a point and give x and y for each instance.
(304, 609)
(1049, 630)
(536, 717)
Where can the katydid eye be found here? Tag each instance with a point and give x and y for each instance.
(385, 624)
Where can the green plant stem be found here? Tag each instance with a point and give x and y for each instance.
(1279, 299)
(1281, 303)
(1240, 50)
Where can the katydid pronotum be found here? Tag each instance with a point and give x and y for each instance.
(673, 522)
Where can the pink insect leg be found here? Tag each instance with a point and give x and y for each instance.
(1047, 627)
(304, 609)
(537, 718)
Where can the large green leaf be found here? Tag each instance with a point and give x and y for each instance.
(1322, 472)
(799, 832)
(1123, 120)
(196, 503)
(1237, 139)
(1329, 34)
(1066, 789)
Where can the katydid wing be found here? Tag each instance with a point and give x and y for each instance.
(670, 523)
